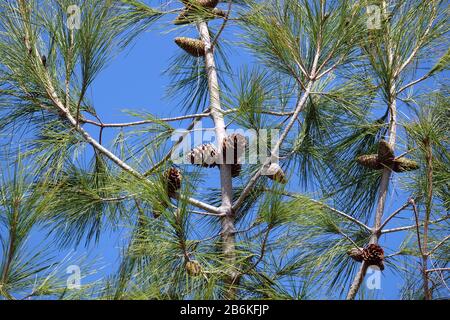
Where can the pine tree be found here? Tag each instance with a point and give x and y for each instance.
(354, 88)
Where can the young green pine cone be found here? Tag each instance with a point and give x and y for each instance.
(193, 268)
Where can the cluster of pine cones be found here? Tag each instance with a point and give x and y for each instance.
(373, 254)
(385, 159)
(233, 149)
(192, 11)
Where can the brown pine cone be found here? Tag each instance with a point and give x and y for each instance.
(385, 153)
(275, 173)
(202, 3)
(194, 47)
(236, 170)
(403, 164)
(373, 254)
(204, 155)
(208, 3)
(386, 158)
(173, 180)
(234, 148)
(370, 161)
(356, 254)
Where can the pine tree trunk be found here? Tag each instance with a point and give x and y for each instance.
(384, 186)
(426, 280)
(228, 228)
(386, 175)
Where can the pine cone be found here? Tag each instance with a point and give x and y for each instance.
(193, 268)
(173, 179)
(403, 164)
(275, 173)
(184, 17)
(202, 3)
(373, 254)
(208, 3)
(219, 13)
(370, 161)
(385, 153)
(191, 14)
(386, 158)
(194, 47)
(356, 254)
(44, 60)
(204, 155)
(233, 148)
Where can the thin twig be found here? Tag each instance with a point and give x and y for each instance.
(413, 226)
(426, 76)
(437, 269)
(439, 245)
(222, 27)
(394, 214)
(207, 213)
(416, 217)
(342, 214)
(405, 153)
(141, 122)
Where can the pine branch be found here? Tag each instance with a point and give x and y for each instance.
(273, 154)
(438, 245)
(384, 184)
(405, 228)
(403, 207)
(334, 210)
(138, 123)
(228, 237)
(437, 270)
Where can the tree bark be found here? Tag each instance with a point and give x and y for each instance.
(429, 201)
(228, 227)
(386, 175)
(384, 186)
